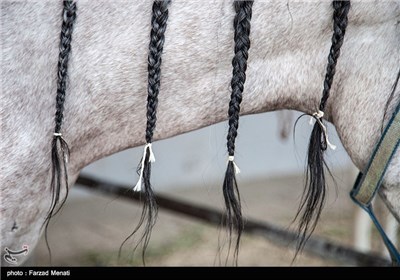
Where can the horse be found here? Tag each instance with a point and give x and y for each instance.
(105, 105)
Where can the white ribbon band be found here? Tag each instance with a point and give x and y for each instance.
(232, 159)
(58, 134)
(138, 186)
(318, 117)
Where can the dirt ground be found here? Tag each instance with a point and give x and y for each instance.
(91, 227)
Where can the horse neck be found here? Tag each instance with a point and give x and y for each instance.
(286, 67)
(287, 60)
(106, 98)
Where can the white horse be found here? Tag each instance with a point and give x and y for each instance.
(106, 98)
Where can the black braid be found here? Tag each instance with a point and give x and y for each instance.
(59, 149)
(241, 24)
(315, 189)
(69, 15)
(157, 38)
(341, 9)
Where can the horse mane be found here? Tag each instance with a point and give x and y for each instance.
(59, 147)
(233, 214)
(313, 197)
(150, 209)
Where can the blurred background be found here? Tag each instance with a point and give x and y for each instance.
(191, 167)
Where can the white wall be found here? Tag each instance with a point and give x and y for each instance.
(199, 157)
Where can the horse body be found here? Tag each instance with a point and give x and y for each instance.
(106, 98)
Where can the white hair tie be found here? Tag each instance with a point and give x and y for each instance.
(318, 117)
(138, 186)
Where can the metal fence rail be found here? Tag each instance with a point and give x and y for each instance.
(316, 245)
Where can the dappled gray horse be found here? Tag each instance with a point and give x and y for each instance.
(105, 104)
